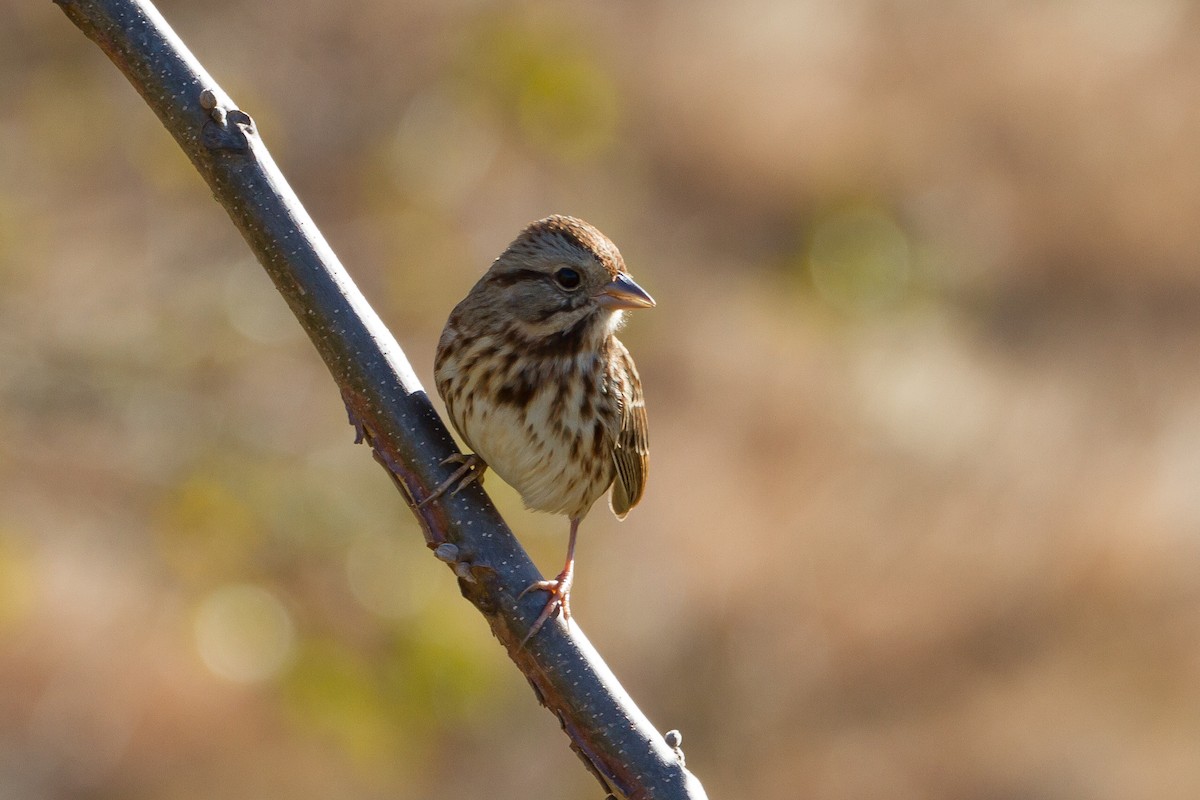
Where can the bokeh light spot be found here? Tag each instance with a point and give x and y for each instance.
(243, 633)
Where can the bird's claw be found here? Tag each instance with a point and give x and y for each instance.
(471, 471)
(559, 590)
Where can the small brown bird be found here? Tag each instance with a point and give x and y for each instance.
(539, 386)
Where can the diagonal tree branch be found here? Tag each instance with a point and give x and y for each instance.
(387, 404)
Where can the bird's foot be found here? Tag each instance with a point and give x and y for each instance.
(559, 590)
(470, 471)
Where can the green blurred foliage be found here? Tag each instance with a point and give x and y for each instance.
(18, 582)
(206, 532)
(536, 71)
(338, 693)
(401, 699)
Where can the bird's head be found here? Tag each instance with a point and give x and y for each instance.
(562, 279)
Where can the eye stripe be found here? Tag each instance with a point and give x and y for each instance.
(516, 276)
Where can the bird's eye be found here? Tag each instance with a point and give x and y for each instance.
(567, 278)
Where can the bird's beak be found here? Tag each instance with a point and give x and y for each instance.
(624, 293)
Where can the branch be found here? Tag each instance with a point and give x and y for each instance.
(386, 402)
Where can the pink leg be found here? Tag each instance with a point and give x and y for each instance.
(559, 589)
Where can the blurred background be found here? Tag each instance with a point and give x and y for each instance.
(923, 517)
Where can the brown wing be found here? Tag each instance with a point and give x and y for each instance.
(632, 451)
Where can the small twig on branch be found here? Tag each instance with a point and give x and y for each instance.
(387, 405)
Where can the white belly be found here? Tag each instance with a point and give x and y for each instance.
(543, 449)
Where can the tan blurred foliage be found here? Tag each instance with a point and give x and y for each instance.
(922, 520)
